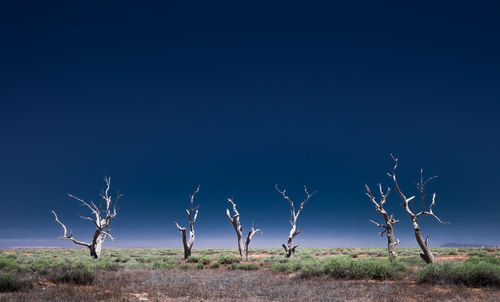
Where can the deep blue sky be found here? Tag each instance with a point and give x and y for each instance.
(238, 96)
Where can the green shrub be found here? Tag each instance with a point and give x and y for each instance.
(107, 264)
(42, 266)
(162, 265)
(244, 266)
(344, 267)
(377, 269)
(474, 273)
(478, 252)
(8, 263)
(227, 259)
(10, 283)
(77, 274)
(484, 258)
(412, 261)
(204, 260)
(289, 265)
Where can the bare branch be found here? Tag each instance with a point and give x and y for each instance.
(235, 210)
(421, 187)
(370, 195)
(65, 235)
(308, 196)
(430, 213)
(252, 232)
(228, 214)
(195, 216)
(94, 210)
(89, 219)
(377, 224)
(290, 202)
(179, 227)
(192, 196)
(108, 235)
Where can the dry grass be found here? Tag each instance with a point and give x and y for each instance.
(228, 285)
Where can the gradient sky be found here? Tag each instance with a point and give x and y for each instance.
(237, 96)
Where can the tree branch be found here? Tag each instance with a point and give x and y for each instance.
(66, 236)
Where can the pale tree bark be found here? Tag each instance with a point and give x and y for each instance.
(235, 221)
(192, 215)
(102, 221)
(388, 227)
(289, 247)
(426, 254)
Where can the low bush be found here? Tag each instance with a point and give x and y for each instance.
(42, 266)
(344, 267)
(473, 272)
(162, 265)
(204, 260)
(66, 273)
(10, 282)
(244, 266)
(412, 261)
(478, 252)
(227, 259)
(8, 263)
(484, 258)
(107, 264)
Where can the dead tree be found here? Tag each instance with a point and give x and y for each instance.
(102, 221)
(388, 227)
(289, 247)
(426, 254)
(188, 244)
(235, 221)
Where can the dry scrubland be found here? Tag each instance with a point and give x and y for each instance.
(334, 274)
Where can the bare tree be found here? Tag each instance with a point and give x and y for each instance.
(102, 221)
(235, 221)
(426, 254)
(389, 220)
(192, 219)
(294, 215)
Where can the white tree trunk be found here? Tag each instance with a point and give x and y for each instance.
(95, 247)
(426, 254)
(235, 221)
(289, 247)
(192, 215)
(389, 220)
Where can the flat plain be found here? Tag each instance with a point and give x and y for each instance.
(314, 274)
